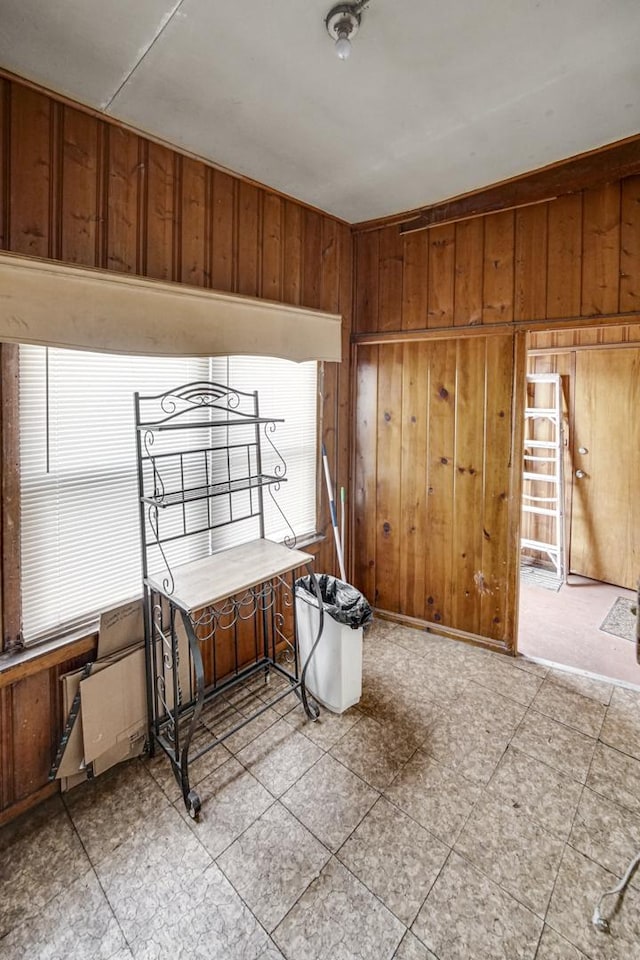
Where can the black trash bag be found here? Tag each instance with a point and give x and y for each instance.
(339, 599)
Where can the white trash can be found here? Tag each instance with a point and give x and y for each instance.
(334, 675)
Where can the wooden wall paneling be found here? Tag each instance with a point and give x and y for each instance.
(292, 267)
(441, 276)
(161, 213)
(6, 747)
(601, 250)
(512, 549)
(122, 243)
(328, 296)
(468, 471)
(492, 583)
(630, 245)
(345, 300)
(415, 280)
(366, 282)
(5, 140)
(469, 262)
(413, 479)
(311, 258)
(499, 255)
(247, 239)
(441, 466)
(390, 279)
(271, 242)
(10, 491)
(365, 460)
(530, 263)
(32, 726)
(30, 172)
(222, 231)
(80, 208)
(389, 448)
(564, 257)
(194, 253)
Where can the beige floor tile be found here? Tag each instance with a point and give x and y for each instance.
(514, 851)
(112, 808)
(412, 949)
(489, 708)
(616, 776)
(621, 727)
(607, 833)
(78, 924)
(375, 751)
(555, 744)
(161, 770)
(554, 947)
(245, 735)
(579, 886)
(468, 917)
(395, 858)
(40, 856)
(467, 744)
(537, 790)
(338, 918)
(272, 864)
(597, 690)
(438, 798)
(327, 729)
(561, 703)
(500, 674)
(272, 953)
(232, 799)
(172, 902)
(330, 800)
(279, 757)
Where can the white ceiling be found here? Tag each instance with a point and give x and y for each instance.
(437, 98)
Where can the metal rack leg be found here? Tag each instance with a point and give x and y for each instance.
(190, 796)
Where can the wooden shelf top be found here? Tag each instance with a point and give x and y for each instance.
(201, 583)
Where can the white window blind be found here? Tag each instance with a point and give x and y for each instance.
(80, 538)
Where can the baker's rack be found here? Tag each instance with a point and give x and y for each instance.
(220, 616)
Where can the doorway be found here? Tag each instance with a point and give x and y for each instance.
(583, 618)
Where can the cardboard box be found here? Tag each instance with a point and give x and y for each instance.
(114, 707)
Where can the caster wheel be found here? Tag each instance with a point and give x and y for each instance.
(193, 804)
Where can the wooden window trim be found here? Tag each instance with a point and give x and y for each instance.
(10, 508)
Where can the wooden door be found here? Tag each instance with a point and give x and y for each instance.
(605, 520)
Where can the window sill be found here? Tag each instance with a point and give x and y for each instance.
(19, 664)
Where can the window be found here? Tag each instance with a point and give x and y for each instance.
(79, 527)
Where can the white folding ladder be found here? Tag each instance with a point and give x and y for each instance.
(544, 468)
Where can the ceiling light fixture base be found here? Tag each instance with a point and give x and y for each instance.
(342, 24)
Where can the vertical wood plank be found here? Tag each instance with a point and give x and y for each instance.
(492, 585)
(292, 267)
(366, 455)
(79, 211)
(390, 279)
(31, 733)
(413, 479)
(222, 217)
(343, 423)
(440, 480)
(499, 258)
(441, 276)
(415, 280)
(531, 261)
(469, 262)
(10, 495)
(601, 250)
(515, 489)
(194, 266)
(7, 759)
(329, 265)
(311, 258)
(564, 263)
(366, 293)
(467, 532)
(271, 281)
(30, 172)
(389, 444)
(122, 206)
(161, 176)
(248, 239)
(630, 245)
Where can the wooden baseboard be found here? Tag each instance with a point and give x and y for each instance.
(427, 626)
(27, 803)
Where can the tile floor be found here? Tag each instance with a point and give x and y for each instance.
(472, 807)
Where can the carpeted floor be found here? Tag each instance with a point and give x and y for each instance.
(620, 621)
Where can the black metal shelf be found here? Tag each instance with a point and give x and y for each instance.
(194, 494)
(204, 424)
